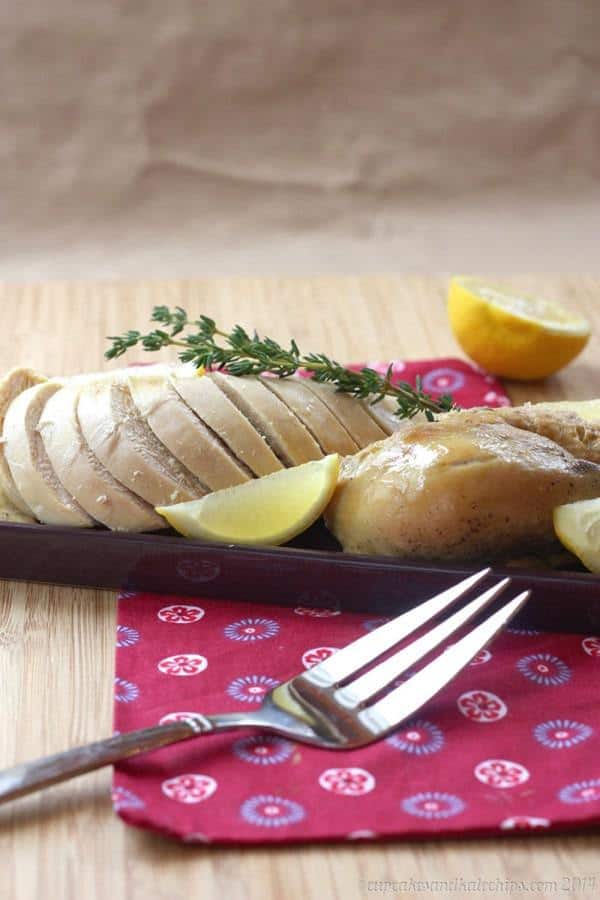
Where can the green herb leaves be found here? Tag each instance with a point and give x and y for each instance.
(243, 354)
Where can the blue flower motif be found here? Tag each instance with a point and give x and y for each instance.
(526, 632)
(580, 792)
(251, 688)
(128, 595)
(372, 624)
(271, 811)
(560, 733)
(433, 805)
(126, 636)
(123, 798)
(543, 668)
(263, 749)
(443, 381)
(125, 691)
(418, 737)
(251, 630)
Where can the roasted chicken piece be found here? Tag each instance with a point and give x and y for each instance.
(475, 484)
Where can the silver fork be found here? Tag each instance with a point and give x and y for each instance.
(339, 704)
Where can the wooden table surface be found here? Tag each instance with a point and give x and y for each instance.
(56, 643)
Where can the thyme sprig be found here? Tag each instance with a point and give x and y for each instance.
(243, 354)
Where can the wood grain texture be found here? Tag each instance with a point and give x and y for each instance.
(56, 644)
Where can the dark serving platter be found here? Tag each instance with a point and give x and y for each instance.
(312, 571)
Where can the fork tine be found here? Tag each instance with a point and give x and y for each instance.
(378, 678)
(403, 701)
(367, 648)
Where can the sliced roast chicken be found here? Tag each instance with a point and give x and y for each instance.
(105, 449)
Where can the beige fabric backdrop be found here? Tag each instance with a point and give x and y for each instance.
(144, 137)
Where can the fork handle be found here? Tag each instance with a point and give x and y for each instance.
(40, 773)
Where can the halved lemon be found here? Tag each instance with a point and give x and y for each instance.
(270, 510)
(577, 526)
(513, 335)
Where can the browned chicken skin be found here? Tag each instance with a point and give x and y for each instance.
(475, 484)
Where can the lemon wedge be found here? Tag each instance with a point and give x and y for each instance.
(513, 335)
(577, 526)
(269, 510)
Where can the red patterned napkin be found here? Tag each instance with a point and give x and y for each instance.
(468, 384)
(513, 743)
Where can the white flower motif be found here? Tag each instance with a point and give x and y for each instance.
(126, 636)
(581, 792)
(501, 773)
(481, 706)
(189, 788)
(433, 805)
(591, 645)
(271, 811)
(263, 749)
(183, 664)
(545, 669)
(126, 691)
(560, 733)
(524, 823)
(312, 657)
(381, 366)
(493, 398)
(251, 630)
(251, 688)
(350, 781)
(180, 614)
(443, 381)
(176, 717)
(123, 798)
(418, 737)
(482, 657)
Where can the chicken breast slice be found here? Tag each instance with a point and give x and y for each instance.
(126, 445)
(352, 414)
(463, 487)
(283, 431)
(81, 472)
(14, 383)
(10, 513)
(328, 431)
(224, 418)
(29, 464)
(183, 433)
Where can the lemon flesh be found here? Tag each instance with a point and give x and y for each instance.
(515, 336)
(577, 526)
(269, 510)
